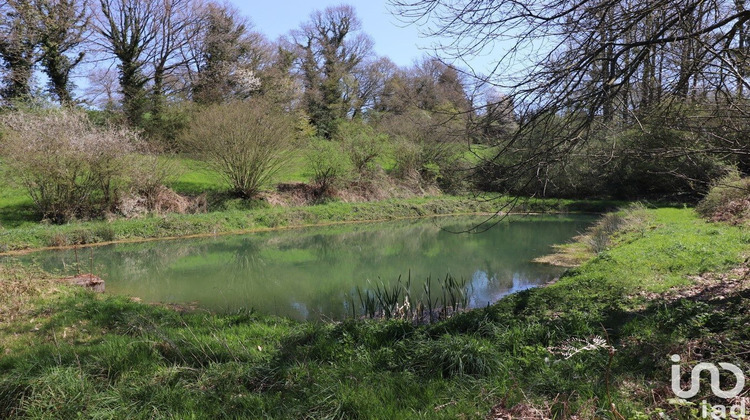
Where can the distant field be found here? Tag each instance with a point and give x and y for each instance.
(193, 178)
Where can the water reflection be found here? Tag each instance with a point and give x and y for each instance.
(311, 273)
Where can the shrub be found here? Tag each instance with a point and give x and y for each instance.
(728, 199)
(69, 167)
(427, 162)
(363, 145)
(427, 143)
(148, 174)
(408, 161)
(246, 142)
(164, 128)
(329, 164)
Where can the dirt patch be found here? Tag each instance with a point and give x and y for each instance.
(87, 281)
(293, 195)
(568, 255)
(301, 194)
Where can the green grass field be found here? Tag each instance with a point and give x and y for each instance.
(196, 178)
(70, 353)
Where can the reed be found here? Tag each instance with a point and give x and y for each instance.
(398, 301)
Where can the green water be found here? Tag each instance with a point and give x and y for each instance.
(314, 273)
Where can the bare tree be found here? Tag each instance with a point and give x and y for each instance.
(127, 30)
(147, 38)
(246, 142)
(103, 89)
(174, 28)
(364, 87)
(575, 68)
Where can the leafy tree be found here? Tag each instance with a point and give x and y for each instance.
(63, 27)
(19, 36)
(329, 49)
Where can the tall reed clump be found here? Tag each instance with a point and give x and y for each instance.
(437, 300)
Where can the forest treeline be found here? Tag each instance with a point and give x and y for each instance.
(627, 101)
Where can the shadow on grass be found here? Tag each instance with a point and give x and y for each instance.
(18, 215)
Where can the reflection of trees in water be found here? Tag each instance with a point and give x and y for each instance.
(316, 270)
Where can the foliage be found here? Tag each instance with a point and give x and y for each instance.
(228, 56)
(728, 199)
(363, 144)
(69, 167)
(246, 142)
(164, 128)
(330, 165)
(636, 163)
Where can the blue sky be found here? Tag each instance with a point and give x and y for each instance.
(392, 38)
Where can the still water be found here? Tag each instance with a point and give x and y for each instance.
(314, 273)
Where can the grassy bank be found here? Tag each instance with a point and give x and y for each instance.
(32, 236)
(601, 335)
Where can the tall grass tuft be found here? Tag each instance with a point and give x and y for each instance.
(398, 301)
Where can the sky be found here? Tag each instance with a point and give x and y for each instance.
(396, 40)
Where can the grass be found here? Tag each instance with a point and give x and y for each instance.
(35, 236)
(70, 353)
(20, 227)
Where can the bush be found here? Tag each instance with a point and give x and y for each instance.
(429, 164)
(329, 164)
(426, 143)
(164, 129)
(728, 199)
(363, 145)
(69, 167)
(148, 174)
(246, 142)
(408, 159)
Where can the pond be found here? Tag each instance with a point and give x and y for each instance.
(322, 272)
